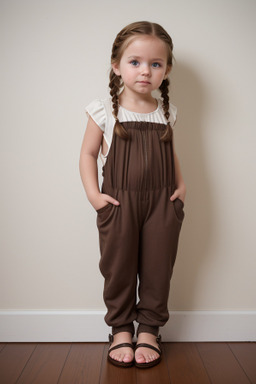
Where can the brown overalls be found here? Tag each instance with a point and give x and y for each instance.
(139, 238)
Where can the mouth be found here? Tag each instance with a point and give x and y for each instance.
(143, 82)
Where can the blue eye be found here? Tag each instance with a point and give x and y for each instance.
(156, 65)
(135, 63)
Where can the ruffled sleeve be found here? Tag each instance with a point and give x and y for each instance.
(97, 112)
(173, 114)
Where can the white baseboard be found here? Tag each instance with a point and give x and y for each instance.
(89, 326)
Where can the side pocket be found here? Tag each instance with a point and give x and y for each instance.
(103, 209)
(179, 209)
(103, 213)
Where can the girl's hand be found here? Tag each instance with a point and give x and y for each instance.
(179, 193)
(101, 200)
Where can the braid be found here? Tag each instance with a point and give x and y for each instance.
(164, 88)
(115, 85)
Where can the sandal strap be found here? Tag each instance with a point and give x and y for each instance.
(145, 345)
(121, 346)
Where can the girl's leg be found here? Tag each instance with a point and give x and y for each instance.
(118, 235)
(118, 231)
(159, 242)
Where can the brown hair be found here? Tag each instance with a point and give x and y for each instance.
(120, 44)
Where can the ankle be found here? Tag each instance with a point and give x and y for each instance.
(146, 337)
(122, 337)
(143, 328)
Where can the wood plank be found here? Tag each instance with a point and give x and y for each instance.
(46, 363)
(13, 358)
(185, 364)
(115, 375)
(246, 355)
(156, 375)
(182, 363)
(83, 364)
(221, 364)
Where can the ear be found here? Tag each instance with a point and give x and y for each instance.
(115, 68)
(168, 70)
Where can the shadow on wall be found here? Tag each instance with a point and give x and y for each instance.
(191, 100)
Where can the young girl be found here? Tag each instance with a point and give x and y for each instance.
(140, 205)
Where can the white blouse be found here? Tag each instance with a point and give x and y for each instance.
(101, 112)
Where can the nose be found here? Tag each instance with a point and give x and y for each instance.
(145, 70)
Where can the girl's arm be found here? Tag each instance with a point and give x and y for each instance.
(88, 166)
(180, 191)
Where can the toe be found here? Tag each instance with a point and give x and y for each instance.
(144, 356)
(153, 357)
(148, 358)
(140, 358)
(116, 356)
(127, 358)
(121, 357)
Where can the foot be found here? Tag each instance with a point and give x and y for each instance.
(124, 354)
(143, 354)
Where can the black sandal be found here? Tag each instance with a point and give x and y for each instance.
(154, 362)
(115, 362)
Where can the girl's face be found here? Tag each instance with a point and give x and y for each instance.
(143, 65)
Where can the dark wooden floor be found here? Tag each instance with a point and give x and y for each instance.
(182, 363)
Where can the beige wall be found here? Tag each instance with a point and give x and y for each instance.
(54, 61)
